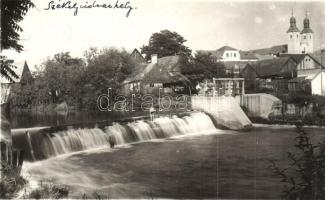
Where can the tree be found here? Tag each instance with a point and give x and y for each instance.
(63, 77)
(12, 12)
(106, 68)
(166, 43)
(201, 67)
(210, 68)
(7, 69)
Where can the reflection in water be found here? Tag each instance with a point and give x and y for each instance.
(26, 119)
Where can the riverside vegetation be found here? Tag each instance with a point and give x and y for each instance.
(304, 176)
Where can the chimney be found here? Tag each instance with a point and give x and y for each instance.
(154, 58)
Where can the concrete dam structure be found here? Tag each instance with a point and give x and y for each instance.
(262, 105)
(42, 144)
(45, 142)
(224, 111)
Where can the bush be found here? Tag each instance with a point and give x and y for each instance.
(48, 190)
(304, 178)
(95, 195)
(11, 182)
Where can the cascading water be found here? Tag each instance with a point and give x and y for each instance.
(82, 139)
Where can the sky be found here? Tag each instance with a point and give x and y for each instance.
(205, 24)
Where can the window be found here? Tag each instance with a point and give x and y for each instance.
(310, 37)
(235, 55)
(297, 36)
(151, 85)
(304, 37)
(227, 55)
(290, 36)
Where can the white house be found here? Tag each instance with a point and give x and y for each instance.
(313, 84)
(317, 83)
(234, 60)
(227, 53)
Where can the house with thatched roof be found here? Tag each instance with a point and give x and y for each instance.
(137, 56)
(162, 74)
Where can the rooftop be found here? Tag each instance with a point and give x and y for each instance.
(269, 67)
(166, 70)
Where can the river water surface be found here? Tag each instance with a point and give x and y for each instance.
(176, 163)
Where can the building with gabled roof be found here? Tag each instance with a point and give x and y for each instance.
(162, 73)
(281, 67)
(270, 74)
(233, 59)
(23, 73)
(229, 54)
(280, 72)
(306, 63)
(24, 77)
(137, 56)
(313, 84)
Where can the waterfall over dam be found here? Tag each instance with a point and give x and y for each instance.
(46, 145)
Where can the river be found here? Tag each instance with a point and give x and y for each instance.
(184, 158)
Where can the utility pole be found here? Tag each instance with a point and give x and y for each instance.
(322, 51)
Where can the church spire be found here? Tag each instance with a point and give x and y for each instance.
(307, 28)
(293, 26)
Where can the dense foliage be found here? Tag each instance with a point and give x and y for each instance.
(7, 67)
(201, 66)
(11, 182)
(12, 12)
(76, 81)
(107, 68)
(166, 43)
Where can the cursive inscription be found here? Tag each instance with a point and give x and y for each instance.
(75, 6)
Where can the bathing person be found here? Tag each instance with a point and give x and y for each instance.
(111, 140)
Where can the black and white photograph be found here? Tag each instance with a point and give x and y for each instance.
(162, 99)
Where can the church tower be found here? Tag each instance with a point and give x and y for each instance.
(293, 35)
(307, 38)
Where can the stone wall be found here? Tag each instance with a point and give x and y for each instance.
(8, 154)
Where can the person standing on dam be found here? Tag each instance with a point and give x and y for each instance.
(151, 113)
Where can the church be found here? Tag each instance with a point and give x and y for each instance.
(291, 69)
(300, 41)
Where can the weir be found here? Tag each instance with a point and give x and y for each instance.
(224, 110)
(45, 145)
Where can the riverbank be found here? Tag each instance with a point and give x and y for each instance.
(289, 121)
